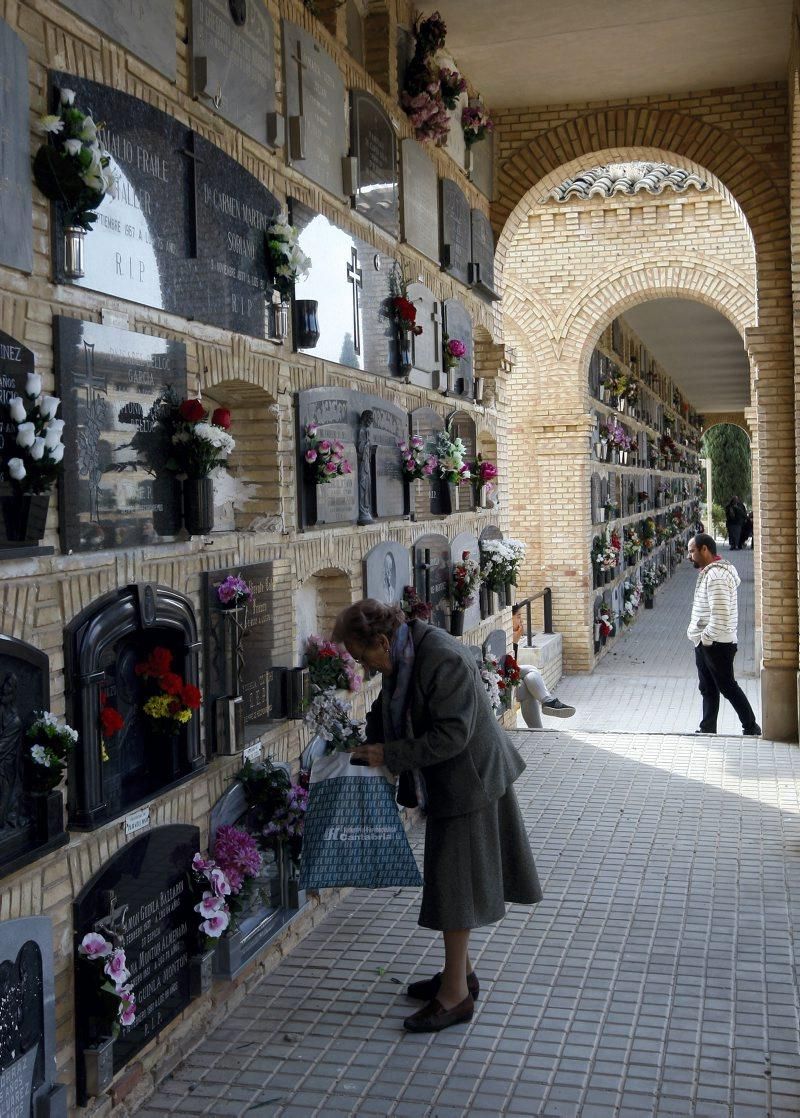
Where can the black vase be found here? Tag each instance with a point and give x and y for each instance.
(48, 812)
(648, 602)
(167, 518)
(198, 505)
(404, 359)
(307, 323)
(457, 622)
(23, 517)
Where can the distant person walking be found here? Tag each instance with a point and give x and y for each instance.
(735, 516)
(712, 631)
(747, 530)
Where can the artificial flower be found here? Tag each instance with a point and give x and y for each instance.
(94, 946)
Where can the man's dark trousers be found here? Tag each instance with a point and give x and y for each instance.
(735, 536)
(715, 672)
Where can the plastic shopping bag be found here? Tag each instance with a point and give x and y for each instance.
(352, 833)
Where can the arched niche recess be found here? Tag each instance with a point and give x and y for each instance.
(318, 601)
(487, 448)
(247, 494)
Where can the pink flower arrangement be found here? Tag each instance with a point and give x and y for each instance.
(96, 948)
(324, 457)
(237, 856)
(454, 350)
(331, 665)
(288, 821)
(452, 86)
(418, 462)
(212, 908)
(233, 590)
(428, 113)
(476, 123)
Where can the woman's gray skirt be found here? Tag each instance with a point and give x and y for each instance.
(474, 865)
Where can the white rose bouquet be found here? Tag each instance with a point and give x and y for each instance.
(287, 260)
(36, 464)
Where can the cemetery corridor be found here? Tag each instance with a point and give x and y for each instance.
(648, 681)
(656, 978)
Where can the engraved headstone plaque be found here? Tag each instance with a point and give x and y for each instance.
(429, 496)
(462, 426)
(420, 199)
(28, 1021)
(390, 488)
(144, 893)
(432, 576)
(456, 242)
(16, 361)
(481, 268)
(315, 109)
(496, 643)
(116, 491)
(480, 163)
(16, 227)
(374, 144)
(387, 569)
(426, 348)
(144, 27)
(458, 324)
(233, 64)
(349, 282)
(467, 541)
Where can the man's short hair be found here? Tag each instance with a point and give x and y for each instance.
(702, 539)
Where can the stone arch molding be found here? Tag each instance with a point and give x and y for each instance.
(726, 419)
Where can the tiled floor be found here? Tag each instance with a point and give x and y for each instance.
(657, 977)
(648, 682)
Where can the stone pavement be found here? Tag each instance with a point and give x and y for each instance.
(657, 977)
(648, 682)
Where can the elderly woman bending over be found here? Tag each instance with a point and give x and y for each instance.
(434, 723)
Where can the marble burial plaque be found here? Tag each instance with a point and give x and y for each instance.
(316, 135)
(480, 164)
(374, 144)
(239, 653)
(467, 541)
(387, 569)
(365, 425)
(497, 644)
(458, 324)
(354, 23)
(139, 245)
(462, 426)
(349, 280)
(234, 212)
(426, 348)
(144, 27)
(28, 1021)
(142, 896)
(420, 199)
(431, 556)
(481, 268)
(16, 361)
(16, 225)
(490, 532)
(456, 145)
(456, 242)
(24, 689)
(233, 63)
(390, 490)
(430, 496)
(115, 491)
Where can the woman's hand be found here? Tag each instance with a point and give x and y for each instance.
(372, 754)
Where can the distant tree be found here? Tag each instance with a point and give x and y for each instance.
(728, 447)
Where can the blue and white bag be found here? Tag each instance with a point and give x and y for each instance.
(352, 833)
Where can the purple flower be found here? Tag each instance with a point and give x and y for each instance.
(215, 925)
(116, 968)
(311, 455)
(456, 348)
(209, 906)
(94, 946)
(236, 852)
(219, 882)
(325, 446)
(127, 1006)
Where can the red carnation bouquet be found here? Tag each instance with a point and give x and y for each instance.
(172, 700)
(402, 311)
(197, 441)
(509, 678)
(111, 722)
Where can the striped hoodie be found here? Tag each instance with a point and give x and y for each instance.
(715, 611)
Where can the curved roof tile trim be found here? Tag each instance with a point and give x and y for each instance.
(627, 179)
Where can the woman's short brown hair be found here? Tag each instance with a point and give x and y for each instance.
(363, 622)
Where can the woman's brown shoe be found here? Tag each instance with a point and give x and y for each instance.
(427, 988)
(433, 1017)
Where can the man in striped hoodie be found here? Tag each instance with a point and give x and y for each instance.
(712, 631)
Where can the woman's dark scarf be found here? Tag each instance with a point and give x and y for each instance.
(396, 698)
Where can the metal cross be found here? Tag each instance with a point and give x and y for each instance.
(301, 65)
(356, 277)
(426, 568)
(194, 159)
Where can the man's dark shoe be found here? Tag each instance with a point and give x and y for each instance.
(427, 988)
(433, 1017)
(702, 731)
(753, 731)
(556, 709)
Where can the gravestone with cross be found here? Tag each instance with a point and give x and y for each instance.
(233, 64)
(16, 228)
(315, 109)
(431, 556)
(374, 146)
(426, 348)
(456, 244)
(349, 282)
(458, 324)
(468, 542)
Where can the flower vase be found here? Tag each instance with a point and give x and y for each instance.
(484, 595)
(405, 361)
(277, 318)
(649, 601)
(98, 1066)
(198, 505)
(455, 498)
(74, 263)
(23, 516)
(200, 973)
(511, 593)
(457, 622)
(500, 594)
(48, 814)
(167, 511)
(307, 323)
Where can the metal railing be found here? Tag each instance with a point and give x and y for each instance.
(547, 610)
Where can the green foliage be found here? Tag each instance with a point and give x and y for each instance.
(731, 472)
(718, 521)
